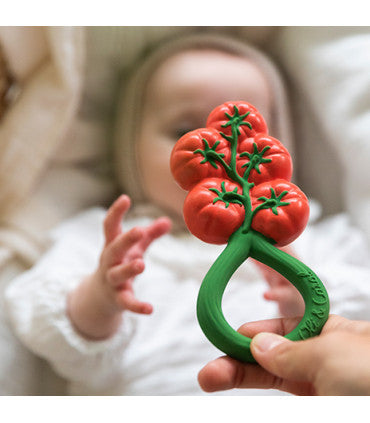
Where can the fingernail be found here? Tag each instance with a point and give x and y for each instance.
(264, 341)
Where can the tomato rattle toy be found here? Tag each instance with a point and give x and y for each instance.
(238, 178)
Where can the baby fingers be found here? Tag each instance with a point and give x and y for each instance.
(118, 275)
(159, 227)
(127, 301)
(113, 219)
(155, 230)
(289, 300)
(116, 251)
(282, 293)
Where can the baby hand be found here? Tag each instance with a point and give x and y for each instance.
(122, 257)
(95, 307)
(286, 295)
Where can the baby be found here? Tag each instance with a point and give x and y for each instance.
(88, 307)
(77, 307)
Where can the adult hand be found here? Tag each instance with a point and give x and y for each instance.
(337, 362)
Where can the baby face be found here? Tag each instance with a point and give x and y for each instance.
(179, 97)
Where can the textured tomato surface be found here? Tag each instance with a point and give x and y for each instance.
(186, 167)
(291, 219)
(280, 166)
(217, 118)
(212, 222)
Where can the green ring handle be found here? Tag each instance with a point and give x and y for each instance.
(253, 244)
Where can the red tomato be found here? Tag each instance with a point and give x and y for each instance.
(186, 167)
(291, 219)
(217, 118)
(280, 166)
(212, 222)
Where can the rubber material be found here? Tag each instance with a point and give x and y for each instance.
(253, 244)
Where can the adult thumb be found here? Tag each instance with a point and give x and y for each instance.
(284, 358)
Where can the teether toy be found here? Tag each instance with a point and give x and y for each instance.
(238, 178)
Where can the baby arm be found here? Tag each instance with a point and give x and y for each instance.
(95, 307)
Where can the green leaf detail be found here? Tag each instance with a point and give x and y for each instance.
(256, 158)
(226, 197)
(227, 137)
(273, 202)
(236, 120)
(209, 153)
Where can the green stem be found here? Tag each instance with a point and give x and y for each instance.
(248, 171)
(257, 209)
(252, 244)
(233, 174)
(234, 146)
(222, 162)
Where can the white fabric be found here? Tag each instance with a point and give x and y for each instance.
(162, 353)
(54, 134)
(329, 69)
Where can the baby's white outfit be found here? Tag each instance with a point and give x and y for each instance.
(161, 354)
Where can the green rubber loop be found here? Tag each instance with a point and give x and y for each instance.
(242, 245)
